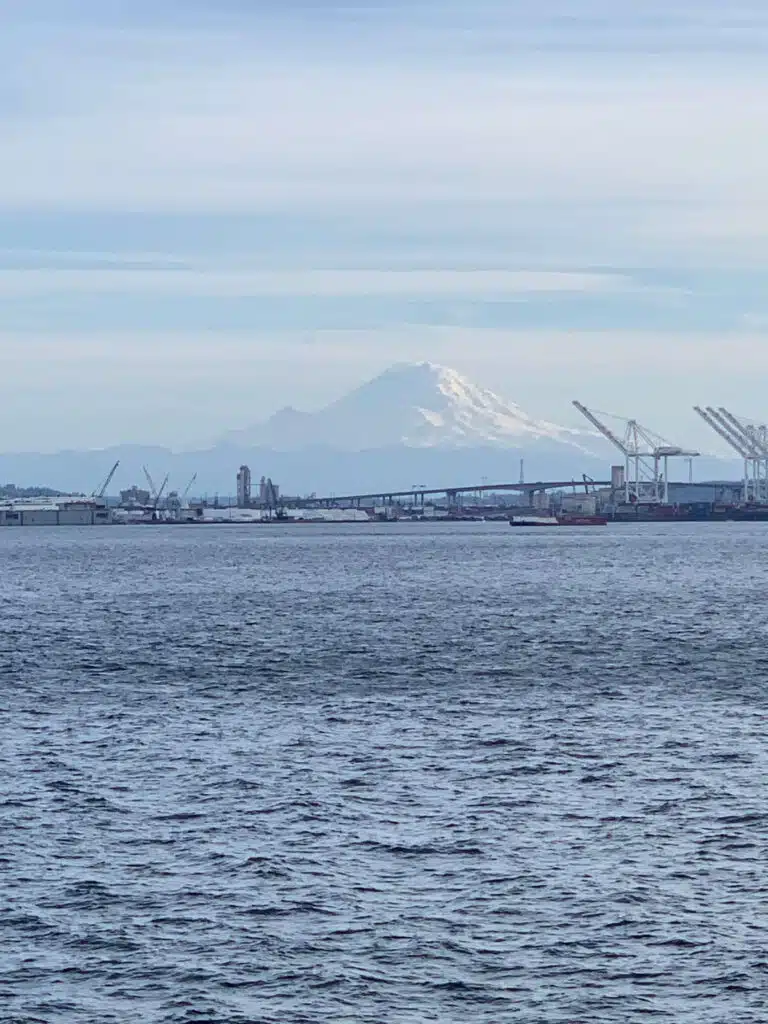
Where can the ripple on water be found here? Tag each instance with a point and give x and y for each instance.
(383, 773)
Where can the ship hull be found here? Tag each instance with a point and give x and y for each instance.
(576, 520)
(693, 513)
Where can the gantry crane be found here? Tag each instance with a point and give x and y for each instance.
(748, 441)
(644, 454)
(721, 427)
(755, 435)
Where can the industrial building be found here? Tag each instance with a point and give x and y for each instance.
(269, 493)
(134, 495)
(71, 511)
(243, 487)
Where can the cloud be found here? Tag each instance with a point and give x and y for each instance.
(211, 282)
(154, 119)
(172, 165)
(272, 140)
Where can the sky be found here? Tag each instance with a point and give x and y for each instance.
(210, 209)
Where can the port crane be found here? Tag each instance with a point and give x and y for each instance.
(644, 455)
(722, 429)
(755, 435)
(748, 441)
(103, 489)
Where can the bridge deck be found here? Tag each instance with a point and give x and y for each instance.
(422, 492)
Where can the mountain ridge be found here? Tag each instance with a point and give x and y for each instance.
(417, 405)
(419, 424)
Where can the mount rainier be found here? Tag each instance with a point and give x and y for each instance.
(415, 405)
(414, 424)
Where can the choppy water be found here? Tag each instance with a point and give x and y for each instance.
(384, 774)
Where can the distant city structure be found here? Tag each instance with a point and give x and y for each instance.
(244, 487)
(638, 487)
(268, 495)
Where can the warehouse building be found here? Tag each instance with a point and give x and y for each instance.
(77, 511)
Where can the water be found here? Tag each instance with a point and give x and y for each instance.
(383, 774)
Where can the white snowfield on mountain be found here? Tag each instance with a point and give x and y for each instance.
(418, 405)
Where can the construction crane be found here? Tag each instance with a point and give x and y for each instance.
(150, 481)
(102, 491)
(159, 494)
(187, 489)
(644, 453)
(156, 494)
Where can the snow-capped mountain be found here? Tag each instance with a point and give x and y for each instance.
(415, 405)
(415, 422)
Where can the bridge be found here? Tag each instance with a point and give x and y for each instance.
(417, 495)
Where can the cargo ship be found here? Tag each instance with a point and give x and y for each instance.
(692, 512)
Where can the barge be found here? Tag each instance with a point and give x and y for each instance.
(565, 519)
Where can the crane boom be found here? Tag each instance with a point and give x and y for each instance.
(732, 441)
(159, 494)
(754, 441)
(151, 482)
(187, 488)
(737, 438)
(107, 482)
(604, 430)
(747, 431)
